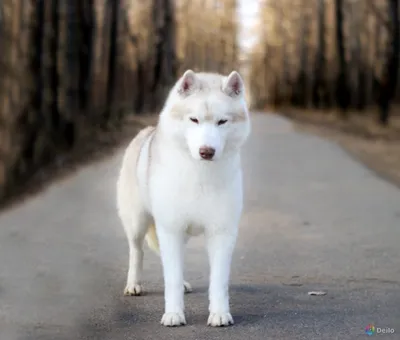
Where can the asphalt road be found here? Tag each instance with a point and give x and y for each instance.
(315, 219)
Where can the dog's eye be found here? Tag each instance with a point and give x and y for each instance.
(222, 121)
(194, 120)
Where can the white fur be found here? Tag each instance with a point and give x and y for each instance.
(164, 181)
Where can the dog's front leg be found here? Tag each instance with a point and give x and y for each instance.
(171, 248)
(220, 248)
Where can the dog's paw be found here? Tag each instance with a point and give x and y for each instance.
(187, 287)
(220, 319)
(173, 319)
(133, 289)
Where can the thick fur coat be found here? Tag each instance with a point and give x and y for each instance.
(183, 178)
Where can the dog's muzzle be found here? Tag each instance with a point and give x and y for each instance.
(207, 153)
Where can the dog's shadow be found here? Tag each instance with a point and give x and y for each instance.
(258, 304)
(252, 307)
(250, 304)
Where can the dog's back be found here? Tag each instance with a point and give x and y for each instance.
(127, 185)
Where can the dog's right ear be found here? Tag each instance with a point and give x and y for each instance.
(188, 83)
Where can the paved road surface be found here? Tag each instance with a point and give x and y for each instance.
(315, 219)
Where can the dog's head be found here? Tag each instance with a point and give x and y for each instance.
(208, 113)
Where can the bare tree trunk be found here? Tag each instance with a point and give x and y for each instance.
(33, 118)
(104, 56)
(377, 56)
(319, 86)
(342, 92)
(68, 64)
(6, 48)
(389, 81)
(87, 15)
(49, 135)
(165, 58)
(369, 71)
(359, 63)
(113, 7)
(302, 83)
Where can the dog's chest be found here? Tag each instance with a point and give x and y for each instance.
(193, 189)
(195, 196)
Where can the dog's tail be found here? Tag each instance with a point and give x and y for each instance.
(152, 240)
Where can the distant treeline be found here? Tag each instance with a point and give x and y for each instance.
(327, 54)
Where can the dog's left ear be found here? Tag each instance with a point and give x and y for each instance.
(233, 85)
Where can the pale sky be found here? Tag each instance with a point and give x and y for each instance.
(248, 10)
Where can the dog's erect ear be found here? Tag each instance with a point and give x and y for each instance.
(188, 83)
(233, 85)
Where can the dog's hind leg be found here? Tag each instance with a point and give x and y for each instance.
(186, 285)
(136, 229)
(131, 210)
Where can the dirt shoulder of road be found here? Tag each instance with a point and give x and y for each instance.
(376, 146)
(99, 146)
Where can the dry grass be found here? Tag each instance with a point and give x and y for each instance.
(376, 146)
(104, 143)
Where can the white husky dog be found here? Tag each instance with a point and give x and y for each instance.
(183, 178)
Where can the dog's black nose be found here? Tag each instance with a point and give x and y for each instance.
(206, 152)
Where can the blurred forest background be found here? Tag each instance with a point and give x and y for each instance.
(71, 69)
(326, 54)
